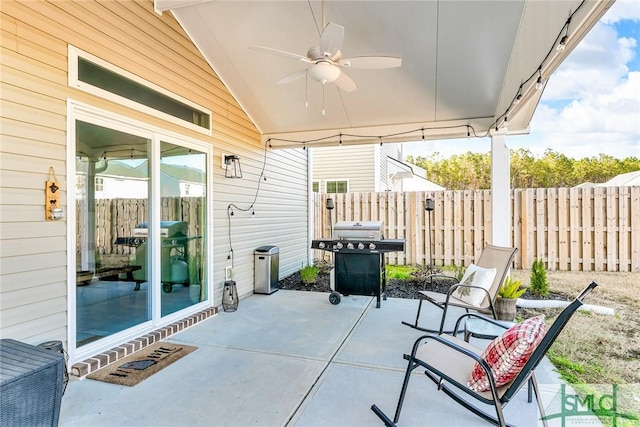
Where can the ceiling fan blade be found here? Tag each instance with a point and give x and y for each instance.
(371, 62)
(345, 82)
(331, 40)
(291, 77)
(281, 53)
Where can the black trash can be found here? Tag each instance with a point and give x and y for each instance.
(266, 268)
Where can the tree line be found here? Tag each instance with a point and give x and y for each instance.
(472, 171)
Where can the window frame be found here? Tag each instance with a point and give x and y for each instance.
(75, 54)
(336, 182)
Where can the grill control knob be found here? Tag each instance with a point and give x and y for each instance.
(349, 245)
(321, 245)
(360, 245)
(339, 245)
(372, 246)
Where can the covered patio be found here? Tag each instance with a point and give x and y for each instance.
(290, 358)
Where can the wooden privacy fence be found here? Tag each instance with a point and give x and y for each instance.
(118, 217)
(573, 229)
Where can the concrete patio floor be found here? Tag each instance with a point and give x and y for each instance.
(288, 359)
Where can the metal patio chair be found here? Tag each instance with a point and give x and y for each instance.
(497, 257)
(448, 362)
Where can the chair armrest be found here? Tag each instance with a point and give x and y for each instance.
(454, 347)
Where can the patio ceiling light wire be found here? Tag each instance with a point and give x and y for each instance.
(499, 121)
(250, 208)
(537, 74)
(340, 135)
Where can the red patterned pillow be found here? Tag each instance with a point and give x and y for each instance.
(507, 354)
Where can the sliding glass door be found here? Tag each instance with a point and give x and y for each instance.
(140, 229)
(112, 200)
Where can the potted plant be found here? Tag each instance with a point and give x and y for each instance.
(508, 294)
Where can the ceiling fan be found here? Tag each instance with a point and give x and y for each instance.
(327, 63)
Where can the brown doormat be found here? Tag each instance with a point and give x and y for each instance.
(142, 364)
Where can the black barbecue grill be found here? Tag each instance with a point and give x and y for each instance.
(359, 265)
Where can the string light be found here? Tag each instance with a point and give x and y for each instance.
(518, 97)
(539, 81)
(563, 42)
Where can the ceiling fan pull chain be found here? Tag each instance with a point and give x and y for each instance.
(306, 90)
(323, 100)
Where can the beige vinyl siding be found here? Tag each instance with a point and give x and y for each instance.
(355, 163)
(386, 151)
(364, 166)
(33, 123)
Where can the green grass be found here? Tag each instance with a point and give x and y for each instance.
(399, 271)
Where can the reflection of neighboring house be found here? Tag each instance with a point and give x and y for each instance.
(121, 181)
(124, 181)
(623, 180)
(366, 168)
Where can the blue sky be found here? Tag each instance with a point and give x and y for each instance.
(591, 104)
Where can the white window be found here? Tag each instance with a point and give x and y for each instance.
(337, 186)
(91, 74)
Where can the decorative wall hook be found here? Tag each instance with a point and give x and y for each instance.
(52, 209)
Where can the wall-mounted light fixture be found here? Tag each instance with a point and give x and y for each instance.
(232, 167)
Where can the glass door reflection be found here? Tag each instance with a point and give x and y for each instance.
(112, 192)
(183, 178)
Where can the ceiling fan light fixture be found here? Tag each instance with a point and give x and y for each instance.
(324, 72)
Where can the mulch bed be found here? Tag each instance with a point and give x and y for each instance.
(396, 288)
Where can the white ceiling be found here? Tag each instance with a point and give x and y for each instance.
(462, 63)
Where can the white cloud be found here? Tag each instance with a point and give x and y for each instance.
(622, 9)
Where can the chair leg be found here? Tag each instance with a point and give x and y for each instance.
(444, 317)
(534, 384)
(411, 365)
(407, 376)
(415, 324)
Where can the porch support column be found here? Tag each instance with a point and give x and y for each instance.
(500, 191)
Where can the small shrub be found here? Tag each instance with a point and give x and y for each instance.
(324, 266)
(539, 284)
(309, 274)
(511, 289)
(421, 272)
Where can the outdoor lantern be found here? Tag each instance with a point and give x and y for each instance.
(429, 205)
(232, 166)
(330, 203)
(230, 296)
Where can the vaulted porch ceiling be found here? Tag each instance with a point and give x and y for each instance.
(463, 63)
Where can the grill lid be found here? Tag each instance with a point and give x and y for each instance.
(363, 230)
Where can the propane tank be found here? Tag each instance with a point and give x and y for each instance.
(179, 271)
